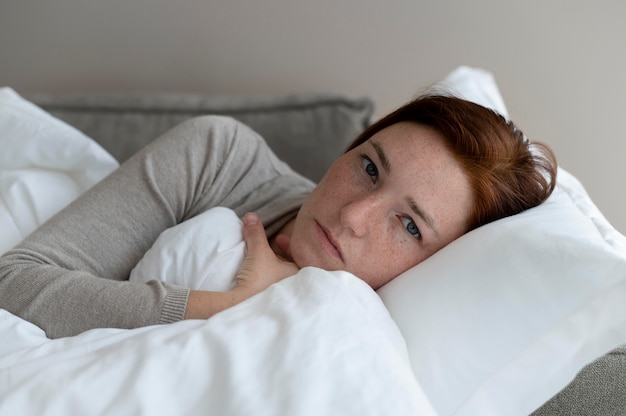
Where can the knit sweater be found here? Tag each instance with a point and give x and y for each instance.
(71, 274)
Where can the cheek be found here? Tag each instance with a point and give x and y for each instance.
(339, 175)
(335, 189)
(388, 260)
(402, 256)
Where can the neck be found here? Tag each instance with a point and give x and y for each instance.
(280, 241)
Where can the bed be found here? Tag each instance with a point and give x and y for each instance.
(526, 315)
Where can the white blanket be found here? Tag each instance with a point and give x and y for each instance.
(205, 252)
(44, 165)
(318, 343)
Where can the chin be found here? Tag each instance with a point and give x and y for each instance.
(311, 260)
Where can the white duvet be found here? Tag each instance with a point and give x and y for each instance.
(318, 343)
(205, 252)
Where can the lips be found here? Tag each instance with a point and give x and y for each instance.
(328, 243)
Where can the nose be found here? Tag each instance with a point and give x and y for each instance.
(359, 215)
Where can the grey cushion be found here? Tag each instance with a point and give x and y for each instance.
(308, 131)
(598, 390)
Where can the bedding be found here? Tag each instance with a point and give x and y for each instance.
(527, 302)
(496, 323)
(45, 164)
(319, 343)
(204, 252)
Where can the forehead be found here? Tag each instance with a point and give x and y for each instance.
(416, 148)
(423, 168)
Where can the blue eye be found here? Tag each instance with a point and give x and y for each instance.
(411, 227)
(370, 169)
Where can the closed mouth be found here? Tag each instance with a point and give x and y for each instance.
(328, 243)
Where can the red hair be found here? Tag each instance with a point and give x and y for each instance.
(508, 173)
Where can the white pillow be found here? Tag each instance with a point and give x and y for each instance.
(44, 165)
(476, 85)
(204, 252)
(502, 319)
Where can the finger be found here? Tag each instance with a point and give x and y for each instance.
(254, 233)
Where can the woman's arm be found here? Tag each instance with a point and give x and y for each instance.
(71, 274)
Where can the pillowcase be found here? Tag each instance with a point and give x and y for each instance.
(204, 252)
(44, 165)
(503, 318)
(476, 85)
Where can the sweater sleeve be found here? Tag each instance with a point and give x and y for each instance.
(71, 274)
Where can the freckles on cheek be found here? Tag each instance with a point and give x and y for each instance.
(390, 258)
(402, 255)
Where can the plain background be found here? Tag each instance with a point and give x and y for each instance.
(560, 65)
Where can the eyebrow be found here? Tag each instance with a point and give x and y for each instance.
(410, 201)
(423, 215)
(382, 156)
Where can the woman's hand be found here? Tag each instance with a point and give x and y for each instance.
(260, 268)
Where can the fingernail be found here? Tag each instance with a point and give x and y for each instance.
(250, 218)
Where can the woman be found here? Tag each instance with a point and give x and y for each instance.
(410, 184)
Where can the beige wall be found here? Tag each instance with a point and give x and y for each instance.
(561, 65)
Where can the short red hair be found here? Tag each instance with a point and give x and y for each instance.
(508, 173)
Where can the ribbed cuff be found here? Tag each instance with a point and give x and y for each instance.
(175, 305)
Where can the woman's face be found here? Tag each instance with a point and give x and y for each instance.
(384, 206)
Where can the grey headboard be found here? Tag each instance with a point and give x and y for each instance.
(308, 131)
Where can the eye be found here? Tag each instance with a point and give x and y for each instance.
(370, 168)
(411, 227)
